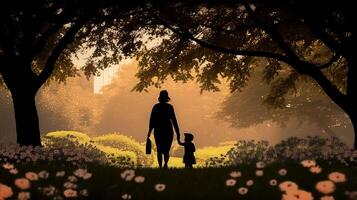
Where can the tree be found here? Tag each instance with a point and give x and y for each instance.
(39, 39)
(307, 105)
(206, 39)
(225, 38)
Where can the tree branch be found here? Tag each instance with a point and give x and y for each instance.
(292, 59)
(335, 58)
(304, 67)
(188, 36)
(56, 52)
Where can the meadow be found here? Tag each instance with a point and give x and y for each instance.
(72, 165)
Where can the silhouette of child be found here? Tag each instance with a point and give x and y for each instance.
(189, 157)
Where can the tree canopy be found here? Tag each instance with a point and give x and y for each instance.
(203, 39)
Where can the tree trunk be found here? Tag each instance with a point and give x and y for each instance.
(27, 122)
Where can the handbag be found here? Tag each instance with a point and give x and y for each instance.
(148, 146)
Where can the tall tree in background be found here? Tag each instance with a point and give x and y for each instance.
(307, 105)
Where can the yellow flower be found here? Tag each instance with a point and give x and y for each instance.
(325, 187)
(5, 191)
(337, 177)
(23, 183)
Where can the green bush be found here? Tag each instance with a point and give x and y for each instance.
(79, 144)
(126, 143)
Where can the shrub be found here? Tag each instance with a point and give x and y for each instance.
(79, 144)
(292, 149)
(125, 143)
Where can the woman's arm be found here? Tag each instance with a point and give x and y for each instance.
(174, 122)
(180, 143)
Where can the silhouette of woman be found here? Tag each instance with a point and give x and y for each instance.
(161, 120)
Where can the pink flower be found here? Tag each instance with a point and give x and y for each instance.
(23, 183)
(315, 169)
(259, 173)
(32, 176)
(230, 182)
(5, 191)
(273, 182)
(288, 185)
(235, 174)
(160, 187)
(139, 179)
(69, 193)
(308, 163)
(337, 177)
(327, 198)
(325, 187)
(242, 190)
(282, 172)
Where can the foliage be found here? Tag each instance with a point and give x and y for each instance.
(76, 140)
(126, 143)
(306, 104)
(292, 149)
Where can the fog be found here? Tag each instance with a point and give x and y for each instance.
(74, 106)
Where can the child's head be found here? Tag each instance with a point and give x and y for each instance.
(188, 137)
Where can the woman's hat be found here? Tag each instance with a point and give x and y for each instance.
(164, 96)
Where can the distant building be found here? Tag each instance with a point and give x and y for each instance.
(104, 79)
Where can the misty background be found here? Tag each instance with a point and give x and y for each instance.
(106, 104)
